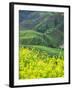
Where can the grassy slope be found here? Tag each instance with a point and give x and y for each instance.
(50, 51)
(28, 33)
(32, 37)
(48, 23)
(53, 39)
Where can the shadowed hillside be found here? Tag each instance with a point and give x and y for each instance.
(41, 28)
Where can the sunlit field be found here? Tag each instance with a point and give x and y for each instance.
(41, 44)
(38, 64)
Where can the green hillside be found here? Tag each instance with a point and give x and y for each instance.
(30, 37)
(52, 39)
(41, 35)
(42, 28)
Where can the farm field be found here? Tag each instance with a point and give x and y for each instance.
(41, 44)
(35, 63)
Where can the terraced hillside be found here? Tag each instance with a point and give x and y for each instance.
(41, 41)
(44, 27)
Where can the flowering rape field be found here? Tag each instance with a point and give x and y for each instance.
(34, 64)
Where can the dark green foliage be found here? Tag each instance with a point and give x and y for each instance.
(41, 28)
(32, 38)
